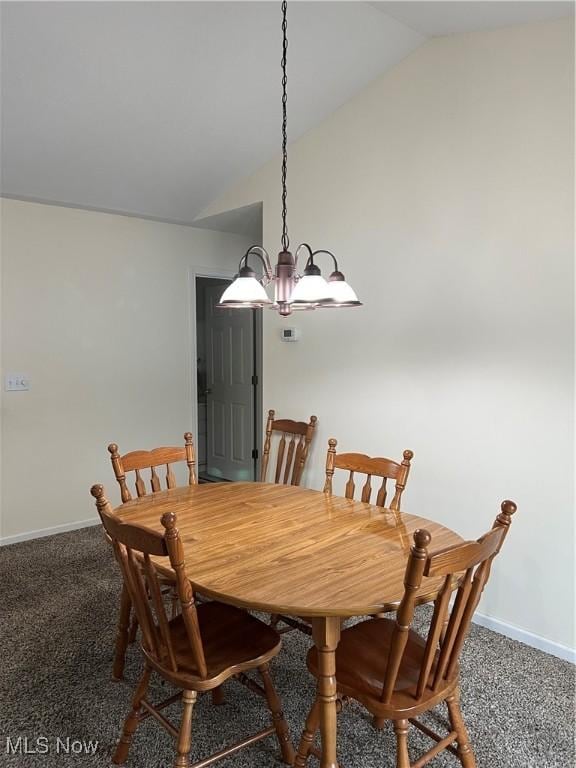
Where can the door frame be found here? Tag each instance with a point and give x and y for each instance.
(222, 274)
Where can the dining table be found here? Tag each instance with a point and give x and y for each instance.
(289, 550)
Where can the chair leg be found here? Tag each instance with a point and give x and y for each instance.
(280, 724)
(274, 620)
(307, 738)
(378, 722)
(133, 629)
(184, 742)
(457, 722)
(133, 719)
(218, 696)
(122, 635)
(401, 731)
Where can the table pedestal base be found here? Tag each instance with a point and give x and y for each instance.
(326, 635)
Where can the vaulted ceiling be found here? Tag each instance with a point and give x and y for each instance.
(155, 108)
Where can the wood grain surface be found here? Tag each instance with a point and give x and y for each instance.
(290, 550)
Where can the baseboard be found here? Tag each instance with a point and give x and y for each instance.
(528, 638)
(6, 540)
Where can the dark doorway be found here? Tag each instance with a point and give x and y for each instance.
(228, 352)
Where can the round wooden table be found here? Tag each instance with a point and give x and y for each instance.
(293, 551)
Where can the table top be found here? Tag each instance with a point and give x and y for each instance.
(290, 550)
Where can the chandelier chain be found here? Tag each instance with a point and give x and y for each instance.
(285, 238)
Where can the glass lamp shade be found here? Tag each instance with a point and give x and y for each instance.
(340, 293)
(310, 289)
(244, 292)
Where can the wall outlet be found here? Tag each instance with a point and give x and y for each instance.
(17, 382)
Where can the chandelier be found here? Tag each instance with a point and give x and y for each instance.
(292, 290)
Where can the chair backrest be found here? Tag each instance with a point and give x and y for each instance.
(289, 463)
(137, 461)
(134, 545)
(465, 569)
(387, 469)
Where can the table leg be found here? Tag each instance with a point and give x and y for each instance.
(326, 635)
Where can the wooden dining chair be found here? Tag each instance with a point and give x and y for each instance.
(360, 463)
(387, 469)
(289, 462)
(197, 650)
(398, 674)
(139, 462)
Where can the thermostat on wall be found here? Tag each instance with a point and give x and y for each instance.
(289, 334)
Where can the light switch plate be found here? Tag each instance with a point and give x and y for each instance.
(17, 382)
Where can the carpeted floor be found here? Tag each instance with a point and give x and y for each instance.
(58, 613)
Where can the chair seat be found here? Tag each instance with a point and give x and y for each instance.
(233, 640)
(361, 659)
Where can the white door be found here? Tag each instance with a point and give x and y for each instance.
(230, 384)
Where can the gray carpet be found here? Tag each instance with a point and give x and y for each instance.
(58, 613)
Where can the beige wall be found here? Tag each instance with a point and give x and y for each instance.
(446, 189)
(96, 310)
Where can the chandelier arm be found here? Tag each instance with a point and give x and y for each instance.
(297, 252)
(262, 254)
(322, 250)
(304, 245)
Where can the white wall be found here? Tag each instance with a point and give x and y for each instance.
(446, 189)
(96, 310)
